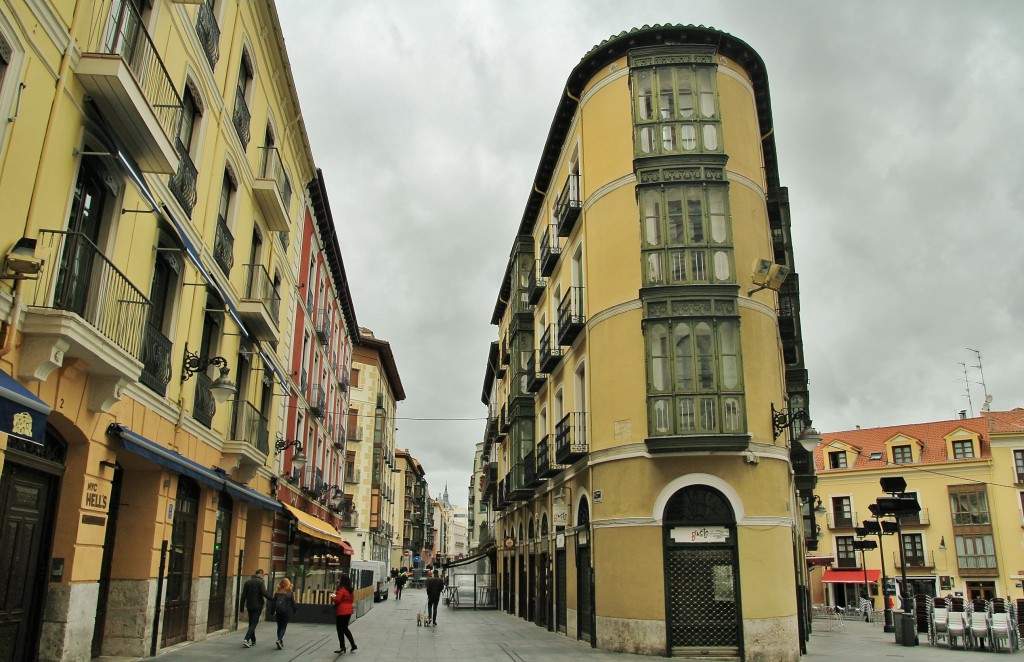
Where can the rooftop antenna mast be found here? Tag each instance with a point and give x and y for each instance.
(967, 389)
(981, 371)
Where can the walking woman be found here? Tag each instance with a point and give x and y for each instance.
(342, 600)
(284, 607)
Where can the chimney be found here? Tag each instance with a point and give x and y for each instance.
(963, 414)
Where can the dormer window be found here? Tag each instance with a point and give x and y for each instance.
(902, 455)
(837, 460)
(963, 449)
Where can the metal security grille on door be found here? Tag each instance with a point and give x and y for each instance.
(701, 592)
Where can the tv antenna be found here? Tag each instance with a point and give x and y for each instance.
(981, 371)
(967, 389)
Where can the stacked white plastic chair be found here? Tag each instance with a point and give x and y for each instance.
(980, 633)
(1003, 629)
(956, 627)
(938, 620)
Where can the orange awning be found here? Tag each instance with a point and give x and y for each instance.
(849, 576)
(314, 526)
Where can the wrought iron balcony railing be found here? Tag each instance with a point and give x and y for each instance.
(204, 406)
(842, 521)
(273, 168)
(208, 32)
(571, 319)
(924, 559)
(550, 250)
(250, 425)
(127, 36)
(80, 279)
(317, 401)
(549, 352)
(323, 326)
(530, 477)
(537, 283)
(568, 206)
(224, 245)
(259, 286)
(571, 437)
(156, 360)
(536, 379)
(241, 117)
(183, 182)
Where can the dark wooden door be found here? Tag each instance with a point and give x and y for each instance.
(219, 574)
(179, 562)
(106, 564)
(561, 613)
(543, 596)
(27, 504)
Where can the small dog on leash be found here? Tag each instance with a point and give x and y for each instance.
(419, 620)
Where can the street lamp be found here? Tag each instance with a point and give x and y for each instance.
(298, 458)
(222, 388)
(785, 418)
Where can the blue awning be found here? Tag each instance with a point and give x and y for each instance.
(22, 413)
(169, 459)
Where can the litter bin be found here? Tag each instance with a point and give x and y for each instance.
(906, 628)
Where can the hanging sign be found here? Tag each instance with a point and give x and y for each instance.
(560, 515)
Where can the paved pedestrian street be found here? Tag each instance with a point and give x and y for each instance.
(389, 632)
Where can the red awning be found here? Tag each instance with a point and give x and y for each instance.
(849, 576)
(819, 560)
(346, 548)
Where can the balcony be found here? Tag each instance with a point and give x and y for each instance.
(515, 481)
(83, 307)
(260, 305)
(490, 480)
(183, 182)
(842, 521)
(208, 32)
(273, 191)
(156, 360)
(571, 438)
(224, 246)
(350, 520)
(550, 251)
(571, 319)
(353, 477)
(501, 496)
(847, 562)
(240, 117)
(919, 560)
(317, 401)
(549, 354)
(915, 519)
(545, 467)
(536, 380)
(203, 405)
(323, 327)
(568, 206)
(537, 284)
(127, 80)
(530, 477)
(356, 434)
(503, 422)
(247, 448)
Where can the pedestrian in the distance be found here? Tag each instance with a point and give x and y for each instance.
(434, 587)
(251, 600)
(343, 608)
(399, 585)
(284, 607)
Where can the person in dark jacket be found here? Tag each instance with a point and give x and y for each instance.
(344, 605)
(284, 607)
(434, 587)
(253, 595)
(399, 585)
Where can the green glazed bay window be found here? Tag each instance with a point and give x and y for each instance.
(695, 380)
(687, 237)
(676, 110)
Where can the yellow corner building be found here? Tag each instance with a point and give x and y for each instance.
(643, 494)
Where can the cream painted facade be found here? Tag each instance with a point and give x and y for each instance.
(630, 441)
(156, 163)
(376, 391)
(973, 551)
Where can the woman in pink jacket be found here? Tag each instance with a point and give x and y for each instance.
(343, 608)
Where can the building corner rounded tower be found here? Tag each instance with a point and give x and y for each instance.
(645, 496)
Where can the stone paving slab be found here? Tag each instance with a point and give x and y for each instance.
(389, 632)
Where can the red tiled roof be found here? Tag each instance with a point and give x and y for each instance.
(930, 435)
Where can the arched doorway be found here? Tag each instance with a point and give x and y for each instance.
(701, 574)
(221, 561)
(179, 562)
(531, 607)
(584, 576)
(543, 616)
(29, 490)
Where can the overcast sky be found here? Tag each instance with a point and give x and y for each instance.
(899, 131)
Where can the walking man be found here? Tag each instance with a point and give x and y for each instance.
(253, 595)
(399, 585)
(434, 587)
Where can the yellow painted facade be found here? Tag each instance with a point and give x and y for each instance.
(611, 476)
(155, 164)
